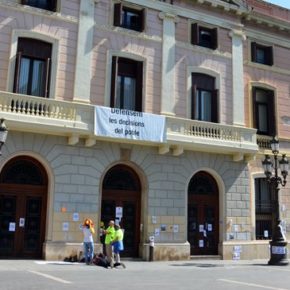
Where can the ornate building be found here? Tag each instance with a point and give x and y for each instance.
(154, 113)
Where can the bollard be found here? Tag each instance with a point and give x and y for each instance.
(151, 248)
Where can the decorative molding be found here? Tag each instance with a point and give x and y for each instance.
(90, 141)
(163, 149)
(73, 139)
(127, 32)
(169, 16)
(203, 50)
(178, 150)
(238, 157)
(238, 33)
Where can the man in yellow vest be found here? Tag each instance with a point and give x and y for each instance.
(118, 245)
(110, 235)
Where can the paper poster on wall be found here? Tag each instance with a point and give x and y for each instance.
(201, 228)
(201, 243)
(21, 222)
(236, 228)
(157, 232)
(154, 219)
(163, 228)
(266, 234)
(12, 227)
(119, 212)
(236, 256)
(209, 227)
(76, 217)
(175, 228)
(65, 226)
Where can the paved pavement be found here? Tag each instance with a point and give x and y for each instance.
(172, 275)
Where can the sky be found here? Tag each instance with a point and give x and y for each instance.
(283, 3)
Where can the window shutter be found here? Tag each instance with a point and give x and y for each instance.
(47, 78)
(253, 51)
(214, 42)
(194, 103)
(214, 106)
(142, 20)
(139, 86)
(271, 113)
(269, 54)
(17, 72)
(113, 81)
(194, 34)
(117, 14)
(254, 91)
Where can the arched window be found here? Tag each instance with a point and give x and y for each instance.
(121, 178)
(23, 171)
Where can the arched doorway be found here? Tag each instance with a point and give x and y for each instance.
(23, 198)
(121, 201)
(203, 214)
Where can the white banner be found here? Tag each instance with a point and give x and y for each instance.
(120, 123)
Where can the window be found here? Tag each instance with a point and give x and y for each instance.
(32, 69)
(126, 85)
(264, 111)
(203, 36)
(43, 4)
(204, 98)
(264, 196)
(129, 18)
(262, 54)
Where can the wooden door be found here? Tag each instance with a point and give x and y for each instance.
(22, 213)
(203, 215)
(121, 189)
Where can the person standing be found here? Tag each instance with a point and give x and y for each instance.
(88, 231)
(118, 245)
(110, 235)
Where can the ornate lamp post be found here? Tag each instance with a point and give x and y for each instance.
(278, 244)
(3, 134)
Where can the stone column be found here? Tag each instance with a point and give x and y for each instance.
(82, 85)
(168, 64)
(238, 77)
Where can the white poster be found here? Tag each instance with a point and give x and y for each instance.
(157, 232)
(119, 212)
(121, 123)
(76, 216)
(65, 226)
(209, 227)
(154, 219)
(12, 227)
(21, 222)
(175, 228)
(201, 243)
(201, 228)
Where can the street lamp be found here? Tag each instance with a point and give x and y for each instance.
(278, 244)
(3, 134)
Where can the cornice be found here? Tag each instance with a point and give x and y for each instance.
(127, 32)
(39, 12)
(203, 50)
(190, 13)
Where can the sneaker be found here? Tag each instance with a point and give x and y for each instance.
(123, 265)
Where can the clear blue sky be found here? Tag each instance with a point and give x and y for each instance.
(283, 3)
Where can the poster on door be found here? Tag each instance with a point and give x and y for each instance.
(12, 227)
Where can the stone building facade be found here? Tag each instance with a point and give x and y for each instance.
(189, 67)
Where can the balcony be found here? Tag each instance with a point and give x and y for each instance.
(75, 121)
